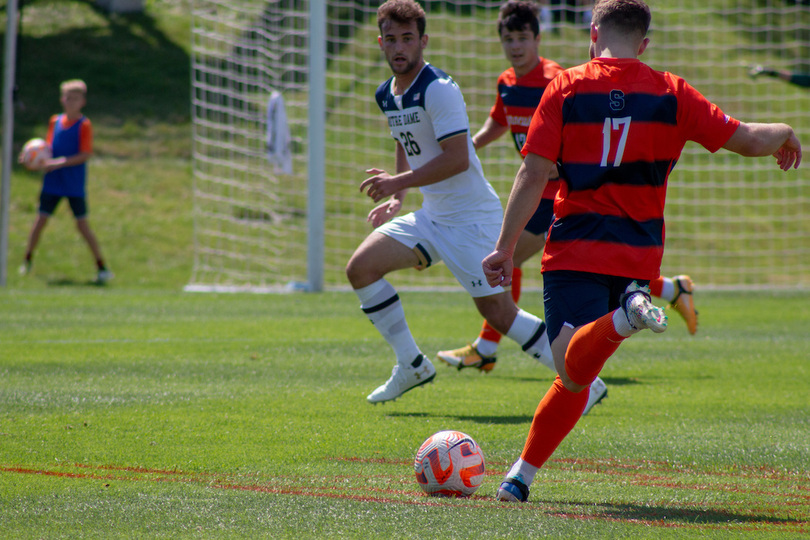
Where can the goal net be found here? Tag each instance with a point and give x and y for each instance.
(732, 222)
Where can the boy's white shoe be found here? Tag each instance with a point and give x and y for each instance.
(104, 276)
(404, 378)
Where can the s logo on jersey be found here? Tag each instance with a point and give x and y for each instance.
(616, 100)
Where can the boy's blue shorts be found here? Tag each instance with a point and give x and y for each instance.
(48, 202)
(577, 298)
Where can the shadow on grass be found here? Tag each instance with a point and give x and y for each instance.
(671, 515)
(515, 419)
(67, 282)
(610, 381)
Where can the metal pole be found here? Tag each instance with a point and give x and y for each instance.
(317, 144)
(8, 132)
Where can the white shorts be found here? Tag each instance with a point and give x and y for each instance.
(462, 248)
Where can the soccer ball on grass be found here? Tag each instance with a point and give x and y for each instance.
(449, 464)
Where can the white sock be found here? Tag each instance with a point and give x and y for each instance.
(530, 333)
(485, 347)
(523, 471)
(380, 302)
(668, 289)
(621, 324)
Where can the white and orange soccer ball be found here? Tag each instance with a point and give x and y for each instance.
(449, 464)
(34, 154)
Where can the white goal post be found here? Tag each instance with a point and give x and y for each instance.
(732, 222)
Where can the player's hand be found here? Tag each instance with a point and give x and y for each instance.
(755, 71)
(384, 212)
(52, 164)
(380, 185)
(790, 154)
(498, 268)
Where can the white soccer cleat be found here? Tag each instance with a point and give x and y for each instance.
(597, 393)
(640, 312)
(419, 372)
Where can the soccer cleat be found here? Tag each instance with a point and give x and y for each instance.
(404, 378)
(513, 490)
(25, 268)
(597, 393)
(467, 356)
(104, 276)
(640, 311)
(684, 302)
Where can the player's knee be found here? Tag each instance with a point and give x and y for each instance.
(570, 384)
(358, 271)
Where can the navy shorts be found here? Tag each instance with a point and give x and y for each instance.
(48, 203)
(542, 217)
(578, 298)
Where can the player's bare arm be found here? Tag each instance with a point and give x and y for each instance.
(490, 131)
(759, 140)
(527, 190)
(453, 160)
(66, 161)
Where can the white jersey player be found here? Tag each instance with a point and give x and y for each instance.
(459, 221)
(429, 111)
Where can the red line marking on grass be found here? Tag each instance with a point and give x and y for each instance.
(681, 515)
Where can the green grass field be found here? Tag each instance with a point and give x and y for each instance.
(138, 411)
(156, 414)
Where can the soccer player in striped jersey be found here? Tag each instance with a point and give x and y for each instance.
(519, 90)
(614, 128)
(460, 215)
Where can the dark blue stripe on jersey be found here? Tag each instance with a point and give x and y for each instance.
(445, 137)
(520, 96)
(594, 108)
(382, 305)
(415, 96)
(609, 229)
(582, 176)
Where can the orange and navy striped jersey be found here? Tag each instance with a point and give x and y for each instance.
(616, 128)
(517, 100)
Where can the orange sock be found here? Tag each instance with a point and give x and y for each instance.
(656, 286)
(487, 332)
(556, 415)
(590, 348)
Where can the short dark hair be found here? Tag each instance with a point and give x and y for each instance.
(514, 15)
(403, 12)
(623, 15)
